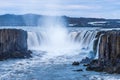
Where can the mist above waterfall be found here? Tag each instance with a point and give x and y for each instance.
(55, 38)
(61, 41)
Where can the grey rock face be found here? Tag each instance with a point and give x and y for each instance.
(109, 53)
(13, 44)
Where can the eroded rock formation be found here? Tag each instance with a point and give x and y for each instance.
(13, 44)
(109, 53)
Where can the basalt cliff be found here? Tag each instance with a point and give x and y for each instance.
(13, 44)
(109, 52)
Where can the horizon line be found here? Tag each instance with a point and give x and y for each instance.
(56, 15)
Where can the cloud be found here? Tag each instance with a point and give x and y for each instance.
(78, 7)
(69, 7)
(93, 8)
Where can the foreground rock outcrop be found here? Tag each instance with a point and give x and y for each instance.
(13, 44)
(109, 53)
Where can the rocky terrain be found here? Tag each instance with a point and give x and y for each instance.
(109, 53)
(13, 44)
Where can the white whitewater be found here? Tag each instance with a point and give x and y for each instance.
(54, 41)
(59, 44)
(97, 53)
(45, 67)
(86, 38)
(59, 41)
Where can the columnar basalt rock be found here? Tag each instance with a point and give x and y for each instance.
(109, 53)
(13, 44)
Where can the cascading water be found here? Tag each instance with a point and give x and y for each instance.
(61, 41)
(52, 59)
(85, 38)
(97, 54)
(54, 43)
(55, 39)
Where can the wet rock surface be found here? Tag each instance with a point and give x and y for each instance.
(109, 53)
(78, 70)
(76, 63)
(85, 60)
(13, 44)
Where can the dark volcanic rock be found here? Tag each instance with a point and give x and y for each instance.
(109, 53)
(75, 63)
(86, 60)
(13, 44)
(78, 70)
(94, 66)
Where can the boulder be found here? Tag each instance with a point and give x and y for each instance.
(86, 60)
(76, 63)
(78, 70)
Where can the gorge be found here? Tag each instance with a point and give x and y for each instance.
(59, 40)
(100, 45)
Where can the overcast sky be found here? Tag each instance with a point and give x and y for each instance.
(74, 8)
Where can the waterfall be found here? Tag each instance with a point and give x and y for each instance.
(97, 53)
(85, 38)
(61, 40)
(34, 40)
(57, 40)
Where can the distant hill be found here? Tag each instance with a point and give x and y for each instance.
(37, 20)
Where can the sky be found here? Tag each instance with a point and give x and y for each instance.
(73, 8)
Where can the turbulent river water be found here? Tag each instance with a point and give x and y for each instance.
(53, 54)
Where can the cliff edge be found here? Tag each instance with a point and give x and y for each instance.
(109, 53)
(13, 44)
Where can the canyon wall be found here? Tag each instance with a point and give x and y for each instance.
(13, 44)
(109, 52)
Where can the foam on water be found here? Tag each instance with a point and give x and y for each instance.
(53, 61)
(58, 41)
(52, 48)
